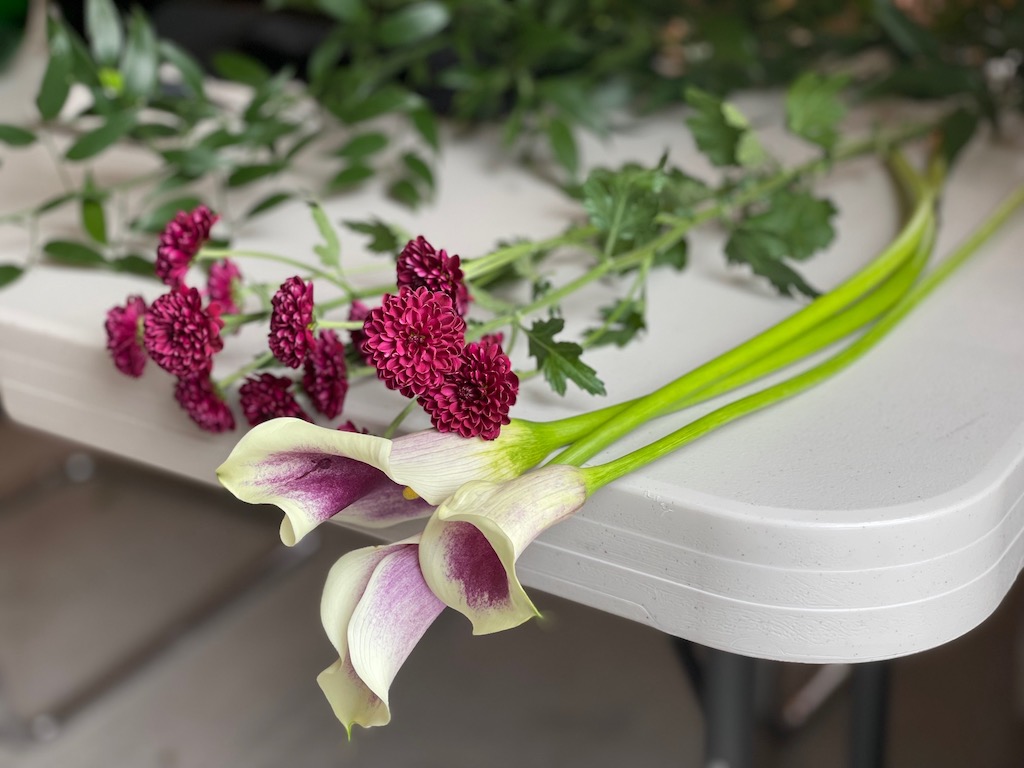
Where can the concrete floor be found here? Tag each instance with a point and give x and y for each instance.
(90, 571)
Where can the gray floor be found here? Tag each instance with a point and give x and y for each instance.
(90, 571)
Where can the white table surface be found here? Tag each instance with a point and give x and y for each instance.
(875, 516)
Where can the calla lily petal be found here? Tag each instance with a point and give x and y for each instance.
(313, 474)
(470, 544)
(375, 608)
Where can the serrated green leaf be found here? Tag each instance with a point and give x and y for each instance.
(9, 273)
(94, 220)
(133, 264)
(559, 361)
(247, 174)
(383, 237)
(269, 202)
(103, 28)
(71, 253)
(418, 167)
(405, 192)
(675, 257)
(156, 219)
(141, 57)
(425, 123)
(623, 321)
(750, 153)
(802, 222)
(330, 251)
(412, 23)
(814, 109)
(95, 141)
(190, 71)
(14, 136)
(56, 82)
(623, 204)
(714, 135)
(349, 177)
(563, 145)
(240, 68)
(764, 253)
(362, 145)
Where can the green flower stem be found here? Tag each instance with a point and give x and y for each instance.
(854, 288)
(260, 362)
(605, 473)
(680, 226)
(397, 421)
(345, 325)
(231, 322)
(475, 269)
(212, 254)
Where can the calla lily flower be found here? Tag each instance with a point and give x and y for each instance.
(470, 544)
(375, 608)
(314, 473)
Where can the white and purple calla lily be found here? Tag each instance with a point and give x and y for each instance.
(470, 545)
(314, 473)
(375, 608)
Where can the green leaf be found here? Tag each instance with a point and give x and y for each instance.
(559, 361)
(134, 264)
(563, 145)
(193, 162)
(914, 41)
(56, 83)
(9, 273)
(343, 10)
(95, 141)
(623, 321)
(14, 136)
(141, 57)
(71, 253)
(418, 167)
(103, 28)
(405, 192)
(190, 71)
(623, 204)
(151, 131)
(749, 151)
(384, 100)
(362, 145)
(425, 123)
(412, 23)
(156, 219)
(814, 109)
(802, 222)
(714, 134)
(349, 177)
(247, 174)
(240, 68)
(955, 133)
(56, 202)
(764, 253)
(675, 257)
(269, 202)
(384, 238)
(325, 58)
(94, 220)
(330, 251)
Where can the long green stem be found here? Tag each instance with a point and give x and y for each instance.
(246, 369)
(603, 474)
(212, 254)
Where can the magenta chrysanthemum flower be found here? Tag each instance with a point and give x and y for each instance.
(180, 241)
(414, 340)
(266, 397)
(180, 335)
(200, 399)
(124, 339)
(222, 285)
(474, 401)
(358, 312)
(493, 338)
(420, 265)
(290, 320)
(324, 376)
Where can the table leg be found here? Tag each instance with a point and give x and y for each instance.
(728, 699)
(870, 692)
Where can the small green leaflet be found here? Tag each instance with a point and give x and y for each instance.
(53, 91)
(103, 28)
(814, 109)
(75, 254)
(384, 238)
(560, 360)
(9, 273)
(141, 57)
(330, 251)
(563, 145)
(412, 23)
(623, 203)
(14, 136)
(98, 139)
(269, 202)
(94, 220)
(622, 321)
(715, 135)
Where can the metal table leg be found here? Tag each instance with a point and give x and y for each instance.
(728, 699)
(870, 691)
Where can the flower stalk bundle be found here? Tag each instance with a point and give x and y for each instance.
(486, 501)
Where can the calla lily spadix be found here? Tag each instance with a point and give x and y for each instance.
(314, 473)
(375, 608)
(470, 544)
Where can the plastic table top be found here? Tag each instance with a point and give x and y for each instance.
(877, 515)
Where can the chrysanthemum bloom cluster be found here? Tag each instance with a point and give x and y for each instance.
(266, 397)
(180, 241)
(124, 336)
(291, 321)
(223, 284)
(197, 394)
(325, 375)
(416, 341)
(180, 334)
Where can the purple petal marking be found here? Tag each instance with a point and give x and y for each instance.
(324, 484)
(385, 504)
(471, 561)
